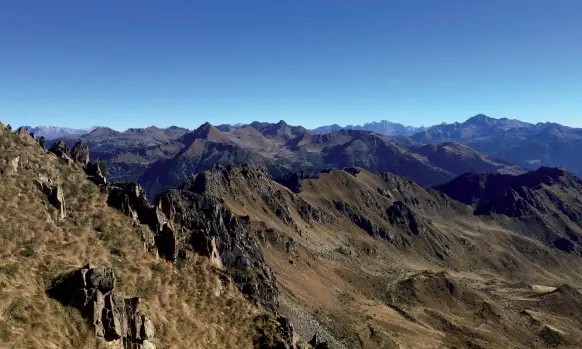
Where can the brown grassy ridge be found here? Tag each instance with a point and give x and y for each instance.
(185, 301)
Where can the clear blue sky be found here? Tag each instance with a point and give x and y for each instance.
(418, 62)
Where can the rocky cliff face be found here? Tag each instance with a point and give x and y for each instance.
(116, 320)
(203, 224)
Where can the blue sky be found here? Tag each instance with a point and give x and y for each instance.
(419, 62)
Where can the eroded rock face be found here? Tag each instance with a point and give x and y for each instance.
(204, 225)
(94, 173)
(80, 153)
(61, 150)
(130, 198)
(116, 320)
(55, 196)
(293, 180)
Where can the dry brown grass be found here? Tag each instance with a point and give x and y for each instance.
(186, 302)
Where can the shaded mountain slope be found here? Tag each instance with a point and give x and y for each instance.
(457, 158)
(163, 158)
(545, 202)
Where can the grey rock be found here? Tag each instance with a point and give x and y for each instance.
(115, 319)
(55, 196)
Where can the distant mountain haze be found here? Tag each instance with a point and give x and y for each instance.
(161, 159)
(55, 132)
(431, 156)
(521, 143)
(383, 127)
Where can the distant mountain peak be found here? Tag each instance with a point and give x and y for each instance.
(210, 133)
(480, 119)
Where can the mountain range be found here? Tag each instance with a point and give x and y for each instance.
(383, 127)
(162, 159)
(55, 132)
(232, 258)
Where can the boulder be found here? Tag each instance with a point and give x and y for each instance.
(275, 333)
(115, 320)
(14, 164)
(94, 174)
(55, 195)
(61, 150)
(317, 344)
(130, 198)
(80, 153)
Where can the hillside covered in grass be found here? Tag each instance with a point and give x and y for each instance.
(189, 302)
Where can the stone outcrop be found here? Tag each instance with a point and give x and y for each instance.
(14, 164)
(353, 170)
(94, 173)
(80, 153)
(24, 134)
(116, 320)
(62, 151)
(191, 221)
(130, 198)
(55, 196)
(317, 344)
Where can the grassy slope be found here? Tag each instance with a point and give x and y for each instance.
(185, 301)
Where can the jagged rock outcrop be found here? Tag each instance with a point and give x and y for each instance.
(279, 333)
(24, 134)
(130, 198)
(204, 225)
(116, 320)
(55, 196)
(61, 150)
(353, 170)
(80, 153)
(94, 173)
(317, 344)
